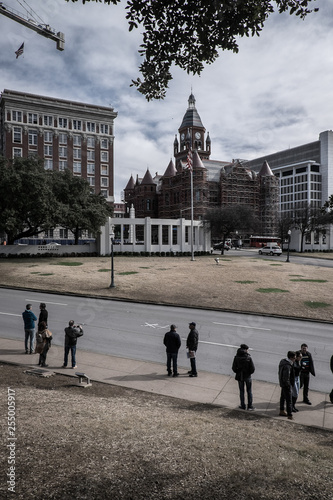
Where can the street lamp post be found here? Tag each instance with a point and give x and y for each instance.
(289, 233)
(112, 285)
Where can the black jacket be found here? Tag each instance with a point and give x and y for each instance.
(307, 364)
(192, 340)
(242, 365)
(72, 333)
(286, 373)
(172, 342)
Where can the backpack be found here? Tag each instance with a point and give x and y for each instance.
(331, 396)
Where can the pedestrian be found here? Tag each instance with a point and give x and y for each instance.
(192, 346)
(29, 319)
(286, 380)
(243, 366)
(295, 390)
(43, 315)
(43, 343)
(72, 332)
(307, 368)
(172, 343)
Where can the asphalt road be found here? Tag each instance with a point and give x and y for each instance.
(136, 331)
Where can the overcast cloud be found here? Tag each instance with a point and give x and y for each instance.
(274, 94)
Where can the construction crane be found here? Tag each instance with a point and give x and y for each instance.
(41, 29)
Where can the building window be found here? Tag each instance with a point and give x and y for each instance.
(91, 127)
(77, 125)
(48, 120)
(174, 235)
(91, 168)
(17, 116)
(104, 128)
(77, 154)
(91, 155)
(104, 182)
(77, 167)
(77, 139)
(48, 164)
(62, 165)
(63, 151)
(165, 235)
(105, 193)
(91, 181)
(62, 138)
(32, 134)
(33, 118)
(90, 142)
(48, 150)
(63, 233)
(62, 122)
(104, 156)
(48, 233)
(104, 144)
(104, 170)
(17, 135)
(17, 152)
(48, 136)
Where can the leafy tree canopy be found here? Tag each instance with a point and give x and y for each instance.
(27, 202)
(190, 33)
(80, 209)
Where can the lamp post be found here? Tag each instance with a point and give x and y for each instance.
(289, 233)
(112, 285)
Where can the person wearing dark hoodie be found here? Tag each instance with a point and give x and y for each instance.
(243, 366)
(29, 319)
(287, 381)
(295, 390)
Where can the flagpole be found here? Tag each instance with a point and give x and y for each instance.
(192, 233)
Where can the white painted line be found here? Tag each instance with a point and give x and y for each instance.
(242, 326)
(53, 303)
(216, 343)
(10, 314)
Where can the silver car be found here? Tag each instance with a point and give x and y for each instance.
(270, 250)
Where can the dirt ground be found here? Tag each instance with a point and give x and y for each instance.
(113, 443)
(248, 284)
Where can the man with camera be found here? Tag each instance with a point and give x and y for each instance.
(72, 332)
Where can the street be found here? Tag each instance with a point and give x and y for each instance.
(134, 330)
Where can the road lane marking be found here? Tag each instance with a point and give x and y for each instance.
(155, 325)
(242, 326)
(217, 343)
(10, 314)
(53, 303)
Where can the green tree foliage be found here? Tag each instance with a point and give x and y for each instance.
(190, 33)
(223, 222)
(79, 208)
(27, 202)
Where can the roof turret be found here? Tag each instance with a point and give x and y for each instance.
(131, 183)
(191, 118)
(171, 170)
(265, 170)
(147, 179)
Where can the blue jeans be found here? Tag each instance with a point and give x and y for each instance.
(172, 356)
(241, 385)
(71, 348)
(29, 334)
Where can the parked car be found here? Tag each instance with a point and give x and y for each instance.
(270, 250)
(218, 246)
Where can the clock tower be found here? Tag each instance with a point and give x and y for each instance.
(191, 134)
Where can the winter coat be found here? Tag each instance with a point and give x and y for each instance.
(286, 373)
(29, 319)
(43, 337)
(172, 342)
(243, 365)
(72, 333)
(43, 315)
(192, 340)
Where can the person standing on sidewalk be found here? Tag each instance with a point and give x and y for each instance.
(43, 315)
(297, 370)
(286, 380)
(243, 366)
(307, 368)
(29, 319)
(172, 343)
(72, 332)
(192, 346)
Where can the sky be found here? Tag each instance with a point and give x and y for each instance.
(276, 93)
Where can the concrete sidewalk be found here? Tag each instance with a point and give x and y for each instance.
(152, 377)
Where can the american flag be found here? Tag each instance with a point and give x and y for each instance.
(189, 161)
(19, 51)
